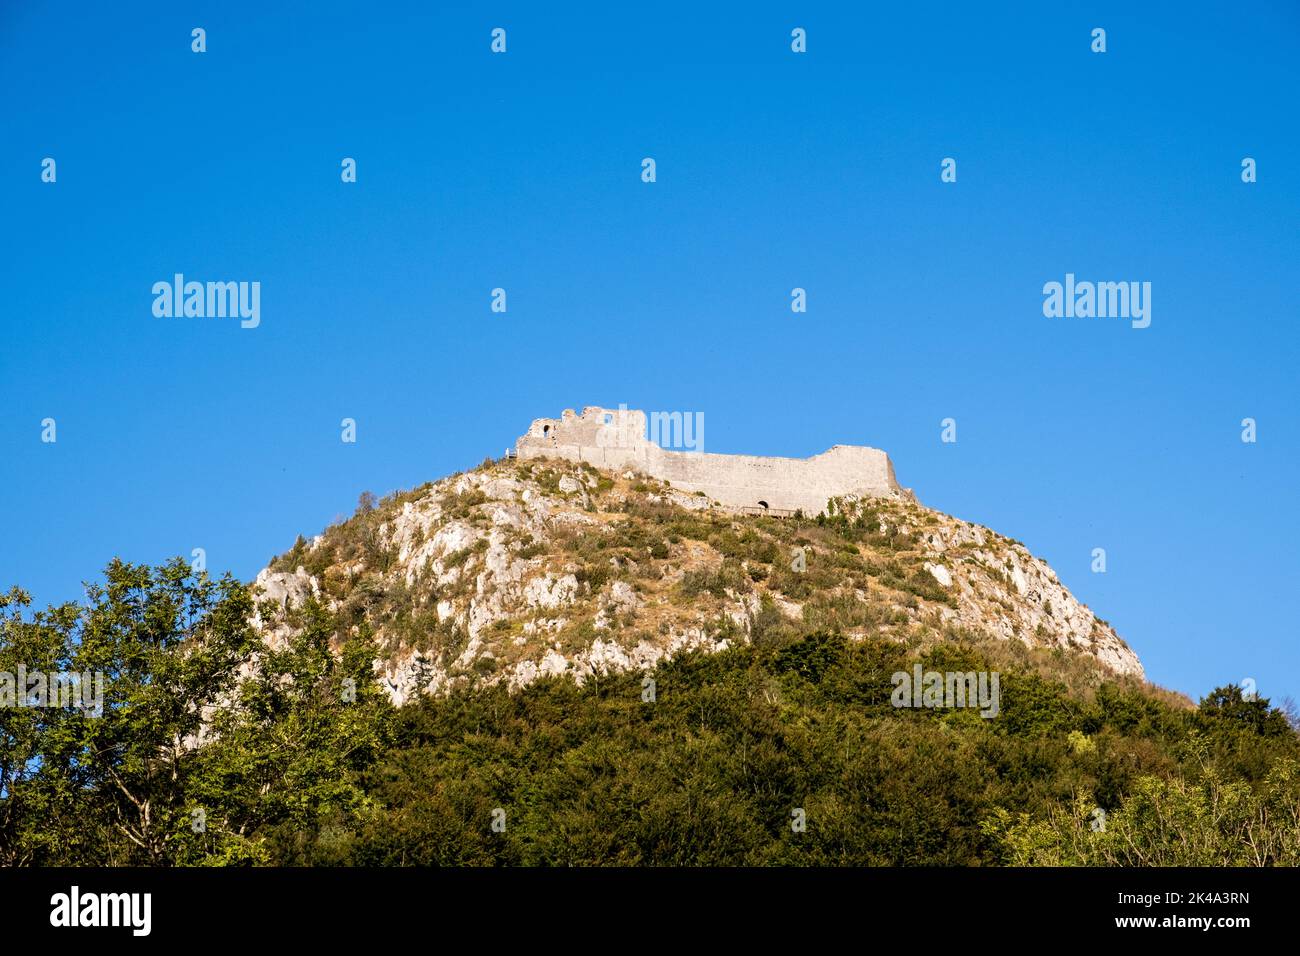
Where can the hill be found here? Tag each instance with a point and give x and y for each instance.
(595, 668)
(521, 569)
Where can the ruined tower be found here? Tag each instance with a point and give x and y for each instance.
(616, 439)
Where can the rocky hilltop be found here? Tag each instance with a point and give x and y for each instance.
(521, 569)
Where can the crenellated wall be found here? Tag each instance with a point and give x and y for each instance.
(615, 439)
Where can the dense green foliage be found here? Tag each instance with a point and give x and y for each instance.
(709, 760)
(281, 750)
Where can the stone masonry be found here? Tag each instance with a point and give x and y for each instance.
(615, 439)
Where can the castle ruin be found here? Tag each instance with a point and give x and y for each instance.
(616, 439)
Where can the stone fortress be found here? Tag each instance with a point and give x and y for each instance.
(616, 439)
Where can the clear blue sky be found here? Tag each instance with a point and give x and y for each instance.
(775, 170)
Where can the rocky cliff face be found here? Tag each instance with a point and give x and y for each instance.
(516, 570)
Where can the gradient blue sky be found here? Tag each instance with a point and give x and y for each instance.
(774, 170)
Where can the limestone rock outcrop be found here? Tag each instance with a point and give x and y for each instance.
(552, 566)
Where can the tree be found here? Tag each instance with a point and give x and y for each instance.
(1228, 707)
(35, 645)
(286, 762)
(109, 786)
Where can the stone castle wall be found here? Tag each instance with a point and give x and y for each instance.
(615, 439)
